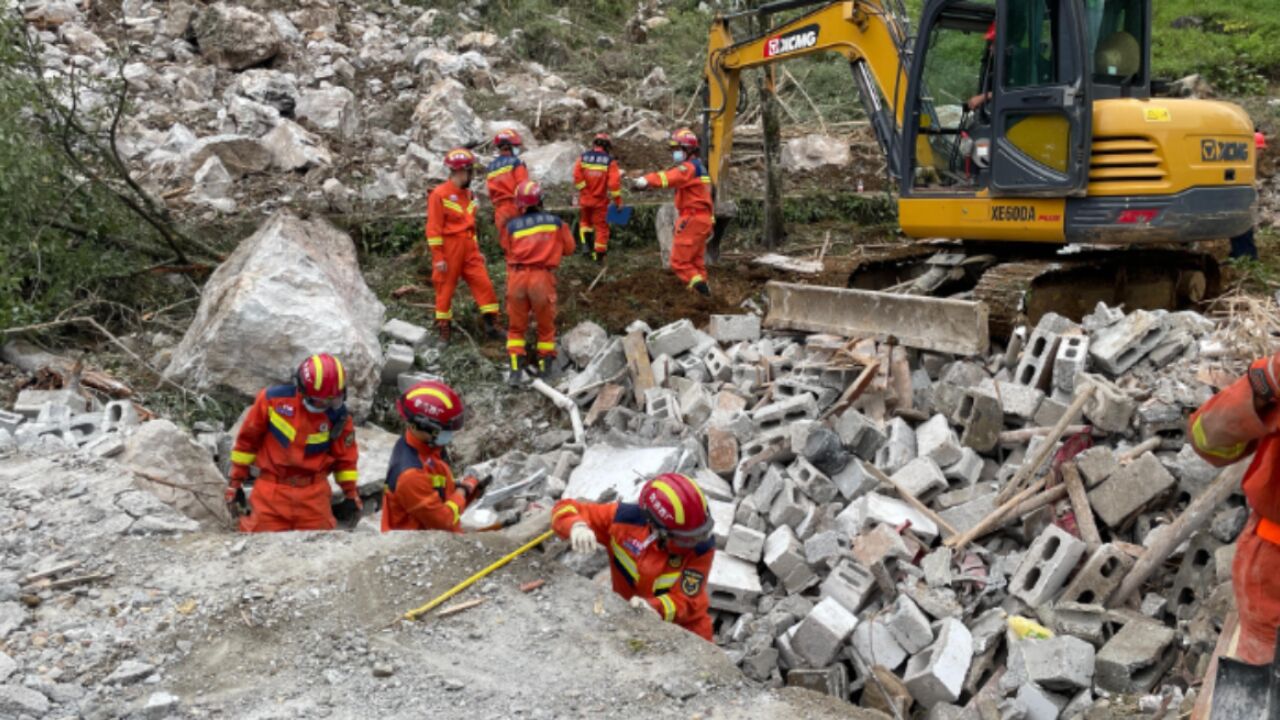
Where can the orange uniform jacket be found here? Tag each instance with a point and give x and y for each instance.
(674, 583)
(451, 222)
(1225, 430)
(537, 239)
(597, 179)
(286, 441)
(420, 493)
(505, 173)
(692, 185)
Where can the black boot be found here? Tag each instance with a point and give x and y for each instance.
(516, 374)
(702, 288)
(443, 330)
(547, 368)
(491, 329)
(598, 255)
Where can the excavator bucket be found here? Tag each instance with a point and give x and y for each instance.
(1246, 692)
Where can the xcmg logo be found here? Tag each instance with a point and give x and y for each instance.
(805, 37)
(1223, 151)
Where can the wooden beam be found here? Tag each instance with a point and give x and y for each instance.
(638, 365)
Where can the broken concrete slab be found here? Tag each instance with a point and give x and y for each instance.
(938, 324)
(1135, 658)
(733, 584)
(617, 473)
(1059, 663)
(728, 329)
(1129, 489)
(874, 508)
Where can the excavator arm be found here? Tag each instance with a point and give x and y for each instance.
(866, 32)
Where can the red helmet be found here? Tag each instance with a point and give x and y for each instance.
(603, 140)
(460, 159)
(321, 377)
(506, 136)
(676, 506)
(432, 406)
(528, 194)
(685, 138)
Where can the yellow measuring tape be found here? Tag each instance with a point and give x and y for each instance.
(419, 612)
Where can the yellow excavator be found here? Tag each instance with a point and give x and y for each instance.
(1028, 132)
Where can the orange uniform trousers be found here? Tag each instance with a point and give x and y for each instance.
(531, 290)
(595, 218)
(463, 262)
(689, 248)
(1256, 580)
(279, 507)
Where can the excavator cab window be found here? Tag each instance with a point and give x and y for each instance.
(1118, 42)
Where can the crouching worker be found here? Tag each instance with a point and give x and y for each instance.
(421, 493)
(660, 548)
(297, 435)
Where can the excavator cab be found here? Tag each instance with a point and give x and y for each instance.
(1000, 93)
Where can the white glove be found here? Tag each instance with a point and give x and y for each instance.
(639, 603)
(582, 539)
(640, 183)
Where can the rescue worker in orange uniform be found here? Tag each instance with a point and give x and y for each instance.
(598, 181)
(506, 172)
(297, 435)
(1244, 418)
(660, 547)
(420, 493)
(455, 253)
(694, 210)
(535, 243)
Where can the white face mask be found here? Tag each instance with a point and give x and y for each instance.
(677, 155)
(515, 151)
(318, 406)
(443, 437)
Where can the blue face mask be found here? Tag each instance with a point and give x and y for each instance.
(678, 155)
(443, 437)
(515, 151)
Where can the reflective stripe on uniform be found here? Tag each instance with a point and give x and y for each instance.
(1269, 531)
(446, 315)
(454, 507)
(665, 582)
(451, 205)
(515, 344)
(668, 608)
(624, 561)
(473, 205)
(243, 458)
(347, 476)
(595, 166)
(534, 230)
(318, 438)
(489, 308)
(695, 280)
(546, 347)
(705, 180)
(563, 510)
(501, 171)
(438, 481)
(435, 241)
(662, 178)
(1202, 444)
(615, 193)
(281, 425)
(342, 374)
(580, 185)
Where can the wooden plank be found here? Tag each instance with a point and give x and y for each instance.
(638, 365)
(460, 607)
(1080, 505)
(608, 398)
(1046, 448)
(855, 389)
(1226, 640)
(912, 500)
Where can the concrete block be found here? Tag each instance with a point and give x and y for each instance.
(745, 543)
(908, 625)
(832, 680)
(853, 481)
(119, 416)
(791, 386)
(879, 544)
(790, 507)
(819, 636)
(937, 567)
(1119, 347)
(9, 421)
(1197, 576)
(1097, 464)
(982, 418)
(770, 485)
(722, 516)
(405, 332)
(1070, 360)
(784, 556)
(1110, 409)
(760, 663)
(674, 339)
(29, 402)
(618, 472)
(713, 486)
(1017, 401)
(1135, 658)
(728, 329)
(1100, 577)
(733, 584)
(397, 359)
(873, 509)
(937, 674)
(783, 412)
(610, 361)
(1035, 369)
(1129, 489)
(967, 470)
(861, 435)
(692, 367)
(812, 482)
(722, 452)
(900, 448)
(1049, 412)
(718, 365)
(661, 403)
(876, 645)
(1037, 704)
(1059, 663)
(921, 477)
(823, 550)
(1156, 417)
(695, 406)
(1046, 566)
(105, 445)
(936, 441)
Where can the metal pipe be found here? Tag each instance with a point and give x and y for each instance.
(564, 403)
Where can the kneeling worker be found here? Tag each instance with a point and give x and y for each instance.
(420, 492)
(660, 548)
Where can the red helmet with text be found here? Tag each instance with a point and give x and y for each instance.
(459, 159)
(528, 194)
(321, 377)
(507, 137)
(676, 506)
(684, 138)
(432, 406)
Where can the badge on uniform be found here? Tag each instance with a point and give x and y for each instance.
(691, 582)
(286, 410)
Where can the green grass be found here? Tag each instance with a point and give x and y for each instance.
(1234, 47)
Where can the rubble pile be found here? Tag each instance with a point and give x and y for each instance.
(841, 475)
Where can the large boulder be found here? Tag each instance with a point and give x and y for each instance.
(444, 120)
(814, 151)
(240, 155)
(293, 148)
(292, 289)
(235, 38)
(269, 87)
(552, 164)
(170, 464)
(331, 110)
